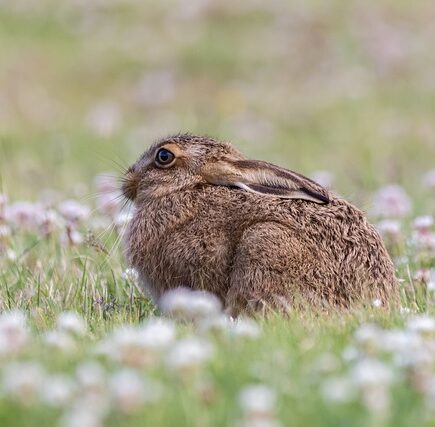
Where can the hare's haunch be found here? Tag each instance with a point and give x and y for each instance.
(256, 235)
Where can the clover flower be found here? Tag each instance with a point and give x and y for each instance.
(130, 391)
(422, 324)
(81, 418)
(49, 223)
(23, 382)
(188, 355)
(185, 304)
(131, 275)
(14, 334)
(245, 328)
(24, 215)
(390, 230)
(373, 379)
(139, 346)
(58, 390)
(71, 323)
(59, 340)
(73, 211)
(338, 389)
(258, 402)
(391, 202)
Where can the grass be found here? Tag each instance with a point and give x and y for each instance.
(344, 86)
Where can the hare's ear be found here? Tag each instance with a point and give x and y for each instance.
(264, 178)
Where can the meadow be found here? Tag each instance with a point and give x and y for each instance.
(342, 91)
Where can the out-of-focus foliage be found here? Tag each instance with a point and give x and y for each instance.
(347, 86)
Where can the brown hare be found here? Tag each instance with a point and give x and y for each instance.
(256, 235)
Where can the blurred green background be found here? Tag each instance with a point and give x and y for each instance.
(344, 86)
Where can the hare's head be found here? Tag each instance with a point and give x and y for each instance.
(185, 162)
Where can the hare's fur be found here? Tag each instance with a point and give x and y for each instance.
(252, 250)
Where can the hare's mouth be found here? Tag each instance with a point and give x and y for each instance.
(130, 183)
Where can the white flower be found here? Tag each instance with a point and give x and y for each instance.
(390, 229)
(59, 340)
(391, 201)
(91, 377)
(74, 211)
(92, 388)
(129, 391)
(245, 328)
(23, 381)
(219, 325)
(260, 422)
(338, 390)
(189, 354)
(258, 401)
(368, 336)
(139, 346)
(326, 363)
(423, 223)
(371, 373)
(158, 334)
(58, 390)
(71, 322)
(398, 341)
(81, 418)
(350, 354)
(130, 275)
(424, 240)
(423, 325)
(14, 334)
(183, 303)
(377, 303)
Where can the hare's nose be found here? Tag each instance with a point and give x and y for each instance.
(130, 183)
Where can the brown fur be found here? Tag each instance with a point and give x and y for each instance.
(254, 234)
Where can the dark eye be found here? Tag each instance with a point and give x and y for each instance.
(164, 157)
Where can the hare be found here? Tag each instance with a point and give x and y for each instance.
(256, 235)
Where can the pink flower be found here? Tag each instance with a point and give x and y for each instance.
(74, 211)
(391, 201)
(24, 215)
(390, 229)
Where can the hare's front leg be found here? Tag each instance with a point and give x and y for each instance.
(269, 265)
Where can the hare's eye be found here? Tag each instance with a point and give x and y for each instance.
(164, 157)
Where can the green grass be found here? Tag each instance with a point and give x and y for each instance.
(339, 86)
